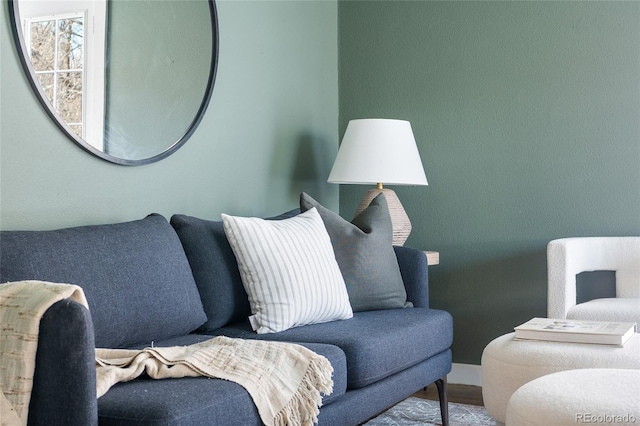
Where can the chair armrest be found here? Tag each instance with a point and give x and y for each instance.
(64, 383)
(415, 274)
(561, 285)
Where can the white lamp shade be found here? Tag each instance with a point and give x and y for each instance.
(378, 151)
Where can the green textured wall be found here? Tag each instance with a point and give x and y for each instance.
(271, 130)
(527, 116)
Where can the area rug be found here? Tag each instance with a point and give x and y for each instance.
(424, 412)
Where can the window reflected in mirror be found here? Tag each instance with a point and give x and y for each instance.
(56, 49)
(65, 41)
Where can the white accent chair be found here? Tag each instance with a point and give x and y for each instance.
(568, 257)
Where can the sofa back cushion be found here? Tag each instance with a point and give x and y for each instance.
(215, 269)
(135, 276)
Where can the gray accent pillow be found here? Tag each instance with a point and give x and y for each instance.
(365, 255)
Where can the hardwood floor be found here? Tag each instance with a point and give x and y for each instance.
(463, 394)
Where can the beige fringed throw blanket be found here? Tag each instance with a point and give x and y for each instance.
(22, 305)
(284, 379)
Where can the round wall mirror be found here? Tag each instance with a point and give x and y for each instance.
(128, 81)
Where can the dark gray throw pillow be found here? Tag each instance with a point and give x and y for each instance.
(365, 255)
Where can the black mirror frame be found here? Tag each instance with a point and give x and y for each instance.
(21, 47)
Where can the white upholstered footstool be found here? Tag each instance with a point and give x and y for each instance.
(596, 395)
(508, 364)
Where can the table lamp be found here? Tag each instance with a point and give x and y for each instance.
(380, 151)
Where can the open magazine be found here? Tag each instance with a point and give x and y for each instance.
(576, 331)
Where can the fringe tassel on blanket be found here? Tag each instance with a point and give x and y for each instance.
(303, 409)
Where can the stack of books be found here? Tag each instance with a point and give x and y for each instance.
(576, 331)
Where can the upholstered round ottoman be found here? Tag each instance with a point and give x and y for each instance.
(508, 364)
(595, 395)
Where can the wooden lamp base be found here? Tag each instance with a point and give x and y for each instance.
(399, 219)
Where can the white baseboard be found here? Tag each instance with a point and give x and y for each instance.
(465, 374)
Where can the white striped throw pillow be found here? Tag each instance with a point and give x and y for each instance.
(288, 270)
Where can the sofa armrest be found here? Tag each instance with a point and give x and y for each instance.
(64, 382)
(415, 274)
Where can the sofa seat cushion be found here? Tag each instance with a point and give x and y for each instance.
(176, 402)
(197, 400)
(377, 344)
(135, 276)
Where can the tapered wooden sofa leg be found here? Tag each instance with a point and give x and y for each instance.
(441, 384)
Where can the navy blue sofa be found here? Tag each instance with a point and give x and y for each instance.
(151, 282)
